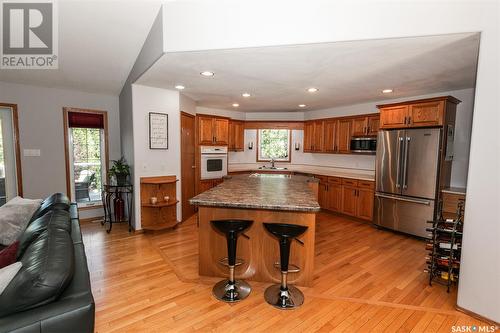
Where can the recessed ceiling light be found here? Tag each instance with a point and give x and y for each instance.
(207, 73)
(302, 105)
(180, 87)
(235, 105)
(386, 91)
(246, 94)
(312, 90)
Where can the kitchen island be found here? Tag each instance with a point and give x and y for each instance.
(260, 198)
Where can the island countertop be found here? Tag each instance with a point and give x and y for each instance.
(271, 192)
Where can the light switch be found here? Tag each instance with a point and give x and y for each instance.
(31, 152)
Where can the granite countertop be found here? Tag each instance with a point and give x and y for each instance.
(310, 169)
(272, 192)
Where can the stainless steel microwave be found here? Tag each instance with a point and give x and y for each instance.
(364, 145)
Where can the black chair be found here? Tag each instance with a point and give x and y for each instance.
(283, 295)
(231, 290)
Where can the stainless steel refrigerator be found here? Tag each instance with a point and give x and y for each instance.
(407, 174)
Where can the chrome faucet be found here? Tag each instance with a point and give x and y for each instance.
(272, 162)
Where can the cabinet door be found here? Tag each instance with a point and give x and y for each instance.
(221, 131)
(205, 185)
(426, 114)
(365, 204)
(231, 144)
(318, 136)
(239, 136)
(349, 200)
(373, 125)
(323, 195)
(393, 116)
(308, 136)
(335, 197)
(205, 130)
(359, 126)
(329, 136)
(344, 136)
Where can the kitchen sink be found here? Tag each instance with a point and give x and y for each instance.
(272, 168)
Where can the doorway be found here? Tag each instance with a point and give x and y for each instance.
(188, 165)
(10, 162)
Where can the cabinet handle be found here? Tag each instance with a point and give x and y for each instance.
(409, 120)
(405, 120)
(368, 130)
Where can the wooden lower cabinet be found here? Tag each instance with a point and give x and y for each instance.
(347, 196)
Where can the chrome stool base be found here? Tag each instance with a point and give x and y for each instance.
(284, 299)
(231, 293)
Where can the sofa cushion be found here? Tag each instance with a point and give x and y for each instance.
(57, 201)
(14, 217)
(53, 219)
(8, 255)
(8, 273)
(48, 267)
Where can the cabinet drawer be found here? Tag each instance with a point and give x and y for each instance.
(350, 182)
(335, 180)
(366, 184)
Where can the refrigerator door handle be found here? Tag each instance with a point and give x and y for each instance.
(398, 163)
(417, 201)
(405, 165)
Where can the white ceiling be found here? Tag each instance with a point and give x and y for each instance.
(98, 44)
(345, 72)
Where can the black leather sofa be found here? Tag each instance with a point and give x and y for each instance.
(51, 292)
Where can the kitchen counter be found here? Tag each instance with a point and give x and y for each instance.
(308, 169)
(454, 190)
(261, 191)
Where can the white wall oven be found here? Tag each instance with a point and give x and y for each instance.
(213, 162)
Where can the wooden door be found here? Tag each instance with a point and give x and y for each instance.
(349, 200)
(394, 116)
(318, 136)
(205, 130)
(221, 131)
(365, 204)
(330, 136)
(344, 135)
(231, 145)
(359, 126)
(335, 197)
(426, 114)
(188, 164)
(239, 136)
(308, 136)
(373, 125)
(205, 185)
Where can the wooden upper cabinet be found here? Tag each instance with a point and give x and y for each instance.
(318, 136)
(359, 126)
(394, 116)
(205, 130)
(308, 136)
(373, 125)
(213, 131)
(421, 113)
(231, 143)
(221, 131)
(426, 114)
(239, 136)
(344, 135)
(330, 136)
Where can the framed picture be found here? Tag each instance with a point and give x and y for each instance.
(158, 130)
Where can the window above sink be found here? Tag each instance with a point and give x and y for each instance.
(273, 145)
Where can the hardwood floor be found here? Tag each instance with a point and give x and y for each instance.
(365, 280)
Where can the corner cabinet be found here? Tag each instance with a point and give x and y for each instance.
(162, 214)
(429, 112)
(236, 135)
(213, 130)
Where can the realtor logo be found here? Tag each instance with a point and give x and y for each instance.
(29, 35)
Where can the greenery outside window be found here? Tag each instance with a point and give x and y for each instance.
(273, 144)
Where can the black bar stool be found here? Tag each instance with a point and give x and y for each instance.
(285, 296)
(231, 290)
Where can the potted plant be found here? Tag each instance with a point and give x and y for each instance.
(120, 170)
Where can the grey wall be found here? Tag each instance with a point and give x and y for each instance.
(41, 127)
(151, 51)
